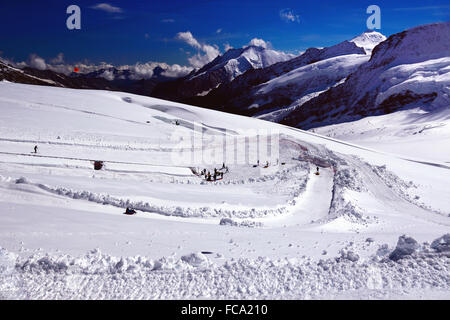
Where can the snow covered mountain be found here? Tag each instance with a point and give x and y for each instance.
(12, 74)
(125, 78)
(47, 77)
(221, 70)
(368, 40)
(368, 225)
(272, 92)
(409, 70)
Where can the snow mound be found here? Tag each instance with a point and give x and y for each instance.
(197, 260)
(97, 263)
(406, 246)
(7, 261)
(442, 244)
(244, 223)
(348, 255)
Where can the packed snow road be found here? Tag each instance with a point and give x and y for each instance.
(269, 206)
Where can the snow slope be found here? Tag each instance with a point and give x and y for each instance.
(413, 133)
(409, 70)
(275, 232)
(304, 83)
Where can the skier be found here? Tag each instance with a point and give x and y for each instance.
(317, 171)
(35, 149)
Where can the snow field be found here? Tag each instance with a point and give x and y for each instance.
(257, 223)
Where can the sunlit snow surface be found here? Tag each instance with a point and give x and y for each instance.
(276, 232)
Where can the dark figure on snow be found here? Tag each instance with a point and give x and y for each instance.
(129, 211)
(35, 149)
(317, 169)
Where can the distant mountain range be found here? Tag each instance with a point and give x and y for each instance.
(367, 75)
(408, 70)
(271, 92)
(222, 70)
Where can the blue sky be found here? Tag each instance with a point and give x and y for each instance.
(124, 32)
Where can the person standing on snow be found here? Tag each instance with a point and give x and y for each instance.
(35, 149)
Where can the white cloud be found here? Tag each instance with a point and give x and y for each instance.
(138, 71)
(146, 36)
(189, 39)
(288, 15)
(107, 7)
(175, 71)
(199, 60)
(146, 70)
(108, 75)
(259, 43)
(59, 59)
(219, 30)
(227, 47)
(37, 62)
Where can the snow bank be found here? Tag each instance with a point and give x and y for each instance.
(188, 212)
(193, 276)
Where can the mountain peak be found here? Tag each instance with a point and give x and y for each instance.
(368, 40)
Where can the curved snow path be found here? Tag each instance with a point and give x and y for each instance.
(312, 205)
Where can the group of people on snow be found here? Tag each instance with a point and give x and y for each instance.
(217, 175)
